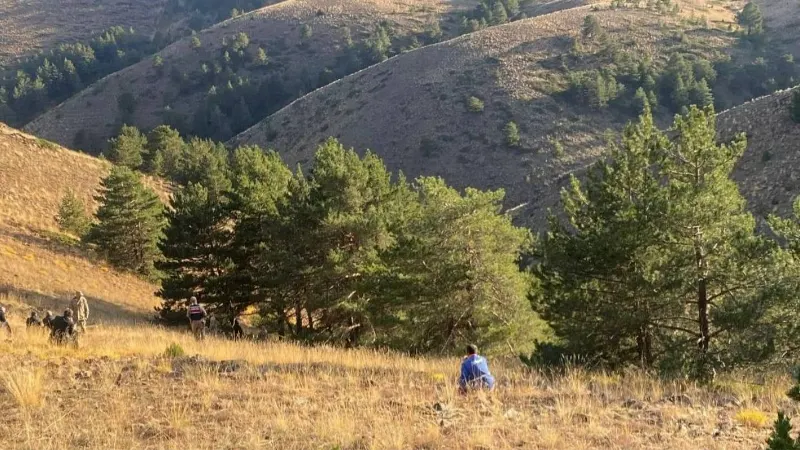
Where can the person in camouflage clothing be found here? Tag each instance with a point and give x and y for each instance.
(80, 311)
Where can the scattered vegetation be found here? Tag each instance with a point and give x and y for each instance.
(512, 134)
(474, 104)
(72, 217)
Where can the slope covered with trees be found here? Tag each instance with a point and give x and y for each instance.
(47, 198)
(34, 25)
(560, 79)
(225, 78)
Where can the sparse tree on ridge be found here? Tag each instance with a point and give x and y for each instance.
(127, 149)
(750, 17)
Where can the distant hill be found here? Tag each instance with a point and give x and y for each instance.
(38, 264)
(305, 44)
(31, 25)
(769, 172)
(414, 110)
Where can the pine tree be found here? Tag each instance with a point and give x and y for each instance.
(194, 249)
(795, 107)
(512, 134)
(165, 149)
(129, 222)
(512, 7)
(72, 217)
(499, 14)
(701, 94)
(591, 28)
(659, 227)
(195, 43)
(127, 148)
(751, 18)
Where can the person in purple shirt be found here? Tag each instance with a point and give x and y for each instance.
(474, 372)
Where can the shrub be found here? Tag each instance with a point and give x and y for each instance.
(795, 108)
(174, 350)
(72, 217)
(512, 134)
(751, 418)
(25, 387)
(474, 104)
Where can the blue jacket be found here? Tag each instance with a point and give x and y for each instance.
(475, 370)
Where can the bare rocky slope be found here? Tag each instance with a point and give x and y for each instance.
(277, 29)
(769, 171)
(412, 110)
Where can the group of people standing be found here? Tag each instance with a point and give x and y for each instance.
(62, 328)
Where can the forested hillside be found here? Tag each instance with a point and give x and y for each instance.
(226, 78)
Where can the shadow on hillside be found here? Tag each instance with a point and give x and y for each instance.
(40, 239)
(100, 310)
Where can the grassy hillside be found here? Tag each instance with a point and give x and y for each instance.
(31, 25)
(414, 110)
(295, 63)
(241, 395)
(768, 172)
(36, 262)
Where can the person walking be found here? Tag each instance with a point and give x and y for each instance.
(33, 320)
(4, 326)
(474, 372)
(196, 315)
(80, 311)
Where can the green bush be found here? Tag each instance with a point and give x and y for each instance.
(795, 109)
(474, 104)
(72, 217)
(512, 134)
(174, 350)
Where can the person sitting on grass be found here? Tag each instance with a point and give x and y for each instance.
(474, 372)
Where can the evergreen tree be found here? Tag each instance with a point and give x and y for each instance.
(512, 7)
(659, 227)
(72, 217)
(795, 107)
(751, 18)
(701, 94)
(127, 148)
(194, 249)
(164, 151)
(591, 28)
(499, 14)
(512, 134)
(129, 222)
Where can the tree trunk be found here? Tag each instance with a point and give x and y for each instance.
(644, 346)
(702, 309)
(702, 293)
(298, 318)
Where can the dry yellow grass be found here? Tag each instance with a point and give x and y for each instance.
(117, 391)
(30, 25)
(34, 176)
